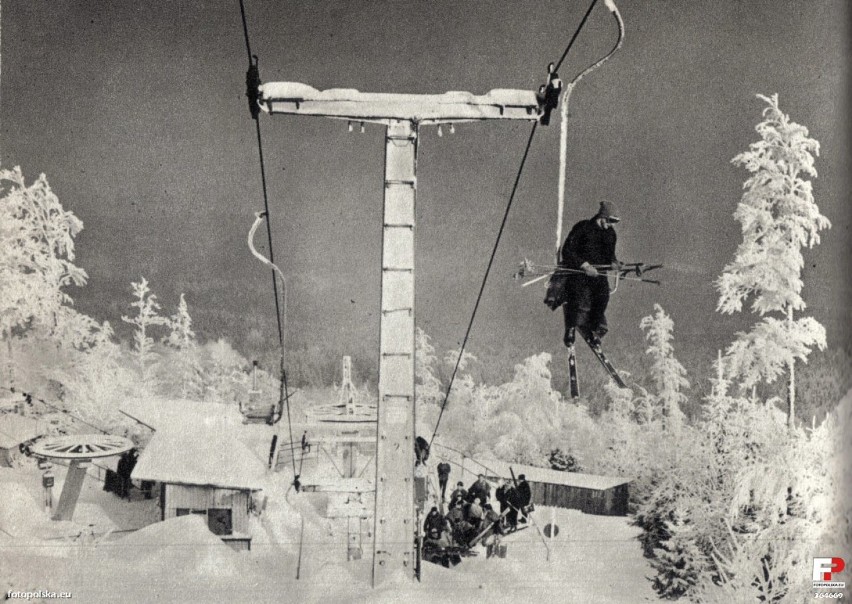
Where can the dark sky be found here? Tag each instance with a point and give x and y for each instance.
(135, 111)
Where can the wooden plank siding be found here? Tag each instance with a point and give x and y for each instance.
(608, 502)
(202, 498)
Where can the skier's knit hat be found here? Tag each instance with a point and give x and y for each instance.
(608, 211)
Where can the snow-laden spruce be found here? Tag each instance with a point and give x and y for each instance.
(147, 317)
(181, 340)
(36, 255)
(778, 217)
(668, 374)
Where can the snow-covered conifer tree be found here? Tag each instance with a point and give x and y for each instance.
(36, 256)
(97, 382)
(668, 374)
(425, 370)
(36, 252)
(778, 217)
(225, 376)
(679, 559)
(464, 364)
(146, 317)
(181, 339)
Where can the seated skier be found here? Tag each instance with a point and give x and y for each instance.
(433, 524)
(583, 290)
(460, 493)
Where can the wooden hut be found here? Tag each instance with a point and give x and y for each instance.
(591, 494)
(205, 473)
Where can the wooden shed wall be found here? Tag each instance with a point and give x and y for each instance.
(200, 497)
(609, 502)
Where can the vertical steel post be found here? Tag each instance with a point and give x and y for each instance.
(393, 538)
(71, 489)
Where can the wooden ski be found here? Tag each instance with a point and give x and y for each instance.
(572, 373)
(599, 353)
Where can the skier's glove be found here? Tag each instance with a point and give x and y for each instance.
(590, 270)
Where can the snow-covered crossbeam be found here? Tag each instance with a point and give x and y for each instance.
(347, 103)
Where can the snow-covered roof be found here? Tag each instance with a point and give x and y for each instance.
(547, 476)
(15, 429)
(180, 414)
(200, 457)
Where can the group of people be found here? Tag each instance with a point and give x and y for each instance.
(471, 513)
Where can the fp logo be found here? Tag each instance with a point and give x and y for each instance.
(824, 568)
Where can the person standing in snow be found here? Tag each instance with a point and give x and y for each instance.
(523, 495)
(126, 463)
(443, 478)
(479, 489)
(502, 495)
(582, 290)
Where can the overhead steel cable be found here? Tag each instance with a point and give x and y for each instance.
(245, 30)
(573, 37)
(252, 82)
(485, 278)
(502, 226)
(29, 398)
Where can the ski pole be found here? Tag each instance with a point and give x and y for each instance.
(580, 272)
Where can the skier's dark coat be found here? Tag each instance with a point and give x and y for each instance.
(421, 449)
(459, 494)
(502, 495)
(443, 478)
(521, 495)
(479, 490)
(584, 299)
(525, 493)
(434, 523)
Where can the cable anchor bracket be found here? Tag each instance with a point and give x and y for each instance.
(548, 95)
(253, 83)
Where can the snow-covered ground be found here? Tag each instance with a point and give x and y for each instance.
(594, 558)
(118, 550)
